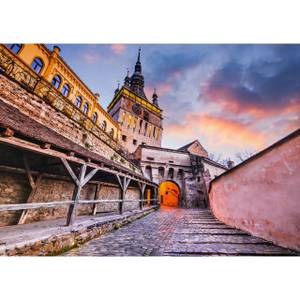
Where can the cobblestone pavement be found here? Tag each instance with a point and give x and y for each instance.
(177, 232)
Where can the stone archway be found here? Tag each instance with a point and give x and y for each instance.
(169, 193)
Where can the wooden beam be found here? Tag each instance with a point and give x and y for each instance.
(75, 197)
(71, 172)
(96, 197)
(46, 146)
(89, 176)
(7, 132)
(30, 198)
(120, 181)
(28, 171)
(18, 143)
(142, 187)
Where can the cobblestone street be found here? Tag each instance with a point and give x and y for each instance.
(177, 232)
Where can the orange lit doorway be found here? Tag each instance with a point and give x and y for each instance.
(169, 194)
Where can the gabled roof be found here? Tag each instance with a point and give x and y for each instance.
(185, 147)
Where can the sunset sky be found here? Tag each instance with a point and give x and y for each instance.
(230, 97)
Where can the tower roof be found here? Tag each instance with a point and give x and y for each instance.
(137, 79)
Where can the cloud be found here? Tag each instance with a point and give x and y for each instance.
(91, 55)
(166, 65)
(218, 132)
(260, 88)
(118, 48)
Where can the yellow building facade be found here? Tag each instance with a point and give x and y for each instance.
(52, 68)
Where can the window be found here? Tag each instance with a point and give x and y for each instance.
(124, 138)
(15, 48)
(122, 118)
(104, 125)
(146, 128)
(141, 126)
(37, 65)
(150, 158)
(78, 101)
(171, 161)
(112, 132)
(85, 108)
(150, 128)
(56, 81)
(95, 117)
(180, 174)
(154, 131)
(134, 123)
(148, 172)
(134, 142)
(171, 173)
(161, 172)
(158, 132)
(129, 120)
(65, 90)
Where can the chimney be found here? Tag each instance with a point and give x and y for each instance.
(56, 49)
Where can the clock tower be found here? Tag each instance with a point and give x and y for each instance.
(140, 119)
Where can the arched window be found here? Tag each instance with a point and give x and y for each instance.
(123, 118)
(112, 132)
(37, 65)
(104, 125)
(85, 108)
(95, 117)
(65, 90)
(180, 174)
(171, 173)
(78, 101)
(15, 48)
(161, 172)
(129, 120)
(148, 172)
(56, 81)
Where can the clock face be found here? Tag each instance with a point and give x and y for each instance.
(136, 108)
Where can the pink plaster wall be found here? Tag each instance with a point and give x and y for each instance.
(262, 196)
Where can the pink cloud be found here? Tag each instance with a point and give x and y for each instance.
(91, 55)
(118, 48)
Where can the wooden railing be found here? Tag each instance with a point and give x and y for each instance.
(38, 205)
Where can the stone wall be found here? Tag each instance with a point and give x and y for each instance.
(39, 110)
(261, 195)
(14, 188)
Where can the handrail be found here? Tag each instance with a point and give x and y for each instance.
(37, 205)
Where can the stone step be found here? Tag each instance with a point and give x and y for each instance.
(226, 249)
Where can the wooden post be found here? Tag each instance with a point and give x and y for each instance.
(97, 195)
(75, 197)
(156, 202)
(123, 185)
(79, 184)
(34, 183)
(142, 187)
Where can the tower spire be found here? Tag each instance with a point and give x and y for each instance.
(139, 55)
(138, 65)
(137, 78)
(155, 97)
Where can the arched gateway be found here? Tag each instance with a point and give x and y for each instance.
(169, 193)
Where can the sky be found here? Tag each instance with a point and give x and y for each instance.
(231, 97)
